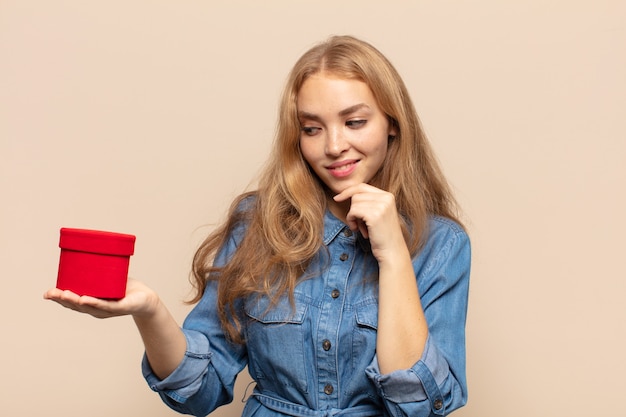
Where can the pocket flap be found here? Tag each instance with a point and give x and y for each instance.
(367, 315)
(262, 310)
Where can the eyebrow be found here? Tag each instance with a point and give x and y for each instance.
(344, 112)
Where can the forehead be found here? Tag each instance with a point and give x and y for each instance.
(323, 93)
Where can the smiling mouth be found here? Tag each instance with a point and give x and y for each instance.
(342, 169)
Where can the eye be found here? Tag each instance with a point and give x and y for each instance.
(310, 130)
(355, 124)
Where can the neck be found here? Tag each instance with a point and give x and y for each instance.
(339, 210)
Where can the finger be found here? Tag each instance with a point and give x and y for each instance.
(52, 294)
(66, 299)
(354, 189)
(94, 307)
(62, 296)
(65, 304)
(82, 304)
(363, 228)
(352, 223)
(357, 222)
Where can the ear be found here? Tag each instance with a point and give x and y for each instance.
(393, 129)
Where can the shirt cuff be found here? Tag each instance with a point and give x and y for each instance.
(418, 383)
(186, 379)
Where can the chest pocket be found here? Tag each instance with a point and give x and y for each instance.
(367, 316)
(364, 334)
(275, 338)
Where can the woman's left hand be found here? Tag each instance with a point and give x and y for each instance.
(373, 213)
(402, 329)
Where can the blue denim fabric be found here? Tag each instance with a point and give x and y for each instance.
(319, 359)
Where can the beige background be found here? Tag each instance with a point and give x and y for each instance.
(148, 117)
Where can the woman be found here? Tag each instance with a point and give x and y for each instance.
(341, 283)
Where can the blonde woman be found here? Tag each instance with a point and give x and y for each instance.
(341, 282)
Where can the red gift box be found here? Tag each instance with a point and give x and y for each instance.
(94, 262)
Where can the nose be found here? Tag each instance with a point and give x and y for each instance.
(336, 142)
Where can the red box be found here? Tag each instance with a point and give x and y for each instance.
(94, 262)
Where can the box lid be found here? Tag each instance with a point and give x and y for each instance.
(97, 241)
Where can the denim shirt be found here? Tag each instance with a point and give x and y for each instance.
(319, 358)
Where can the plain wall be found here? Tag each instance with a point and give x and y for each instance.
(148, 117)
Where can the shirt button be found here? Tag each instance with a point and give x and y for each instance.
(328, 389)
(335, 293)
(343, 257)
(326, 345)
(347, 233)
(438, 404)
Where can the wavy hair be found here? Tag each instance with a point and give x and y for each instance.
(284, 220)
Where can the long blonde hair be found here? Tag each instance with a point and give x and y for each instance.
(284, 218)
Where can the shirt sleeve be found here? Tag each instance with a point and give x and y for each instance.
(206, 376)
(436, 384)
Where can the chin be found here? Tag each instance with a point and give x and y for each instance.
(341, 188)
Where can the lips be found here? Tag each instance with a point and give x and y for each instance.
(342, 168)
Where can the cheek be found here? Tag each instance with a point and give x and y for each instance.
(382, 156)
(379, 151)
(308, 151)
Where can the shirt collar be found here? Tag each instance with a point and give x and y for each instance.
(332, 227)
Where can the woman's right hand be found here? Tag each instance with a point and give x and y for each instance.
(164, 340)
(139, 301)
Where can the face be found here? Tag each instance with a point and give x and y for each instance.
(344, 134)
